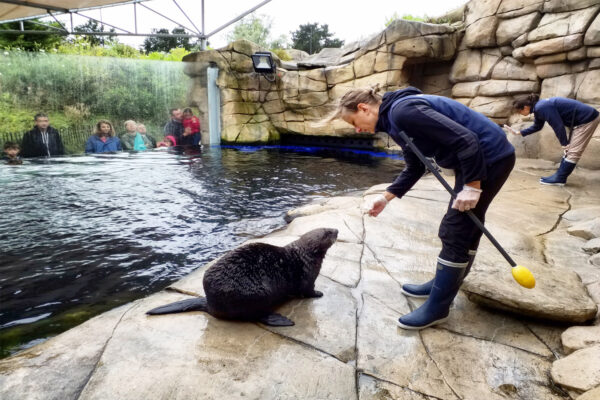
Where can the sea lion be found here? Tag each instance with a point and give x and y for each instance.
(249, 282)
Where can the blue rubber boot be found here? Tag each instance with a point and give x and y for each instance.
(422, 291)
(560, 176)
(437, 307)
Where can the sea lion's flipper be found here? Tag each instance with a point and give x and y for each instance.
(276, 320)
(315, 293)
(195, 304)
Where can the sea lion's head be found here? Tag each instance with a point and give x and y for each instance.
(316, 242)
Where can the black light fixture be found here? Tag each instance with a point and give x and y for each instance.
(263, 62)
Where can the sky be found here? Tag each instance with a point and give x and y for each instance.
(348, 20)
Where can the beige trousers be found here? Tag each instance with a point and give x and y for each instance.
(580, 138)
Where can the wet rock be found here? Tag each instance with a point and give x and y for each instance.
(39, 372)
(327, 323)
(516, 373)
(566, 250)
(580, 337)
(374, 389)
(586, 230)
(395, 355)
(580, 371)
(592, 246)
(240, 359)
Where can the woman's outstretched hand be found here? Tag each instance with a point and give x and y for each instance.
(466, 199)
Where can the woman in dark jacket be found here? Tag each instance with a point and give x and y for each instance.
(560, 113)
(43, 140)
(459, 139)
(104, 140)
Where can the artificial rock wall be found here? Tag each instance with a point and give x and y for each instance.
(501, 49)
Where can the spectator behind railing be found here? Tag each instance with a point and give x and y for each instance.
(43, 140)
(104, 140)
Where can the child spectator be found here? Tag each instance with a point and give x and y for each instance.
(104, 140)
(11, 151)
(167, 142)
(191, 127)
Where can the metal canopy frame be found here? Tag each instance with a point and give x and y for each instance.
(53, 11)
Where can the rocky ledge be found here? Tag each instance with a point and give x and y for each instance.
(501, 341)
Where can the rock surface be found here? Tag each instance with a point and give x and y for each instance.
(580, 337)
(346, 345)
(580, 371)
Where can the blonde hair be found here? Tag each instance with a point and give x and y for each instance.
(129, 121)
(350, 100)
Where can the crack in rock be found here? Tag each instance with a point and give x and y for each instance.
(97, 363)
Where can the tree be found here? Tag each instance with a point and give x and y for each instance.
(91, 26)
(314, 37)
(255, 29)
(30, 42)
(165, 44)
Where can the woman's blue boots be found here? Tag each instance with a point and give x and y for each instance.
(560, 176)
(436, 308)
(422, 291)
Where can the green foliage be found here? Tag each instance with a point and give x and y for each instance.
(28, 41)
(165, 44)
(253, 28)
(282, 54)
(257, 29)
(314, 37)
(76, 91)
(450, 17)
(92, 26)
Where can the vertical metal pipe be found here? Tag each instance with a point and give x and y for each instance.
(203, 39)
(21, 25)
(135, 16)
(71, 17)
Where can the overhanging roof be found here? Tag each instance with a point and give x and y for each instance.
(20, 9)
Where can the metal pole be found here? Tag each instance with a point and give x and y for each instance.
(102, 23)
(203, 38)
(188, 18)
(71, 16)
(135, 16)
(167, 18)
(21, 25)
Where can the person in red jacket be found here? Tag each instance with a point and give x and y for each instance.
(191, 128)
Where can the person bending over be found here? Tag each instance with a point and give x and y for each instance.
(560, 113)
(457, 138)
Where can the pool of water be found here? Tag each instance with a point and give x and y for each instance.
(81, 235)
